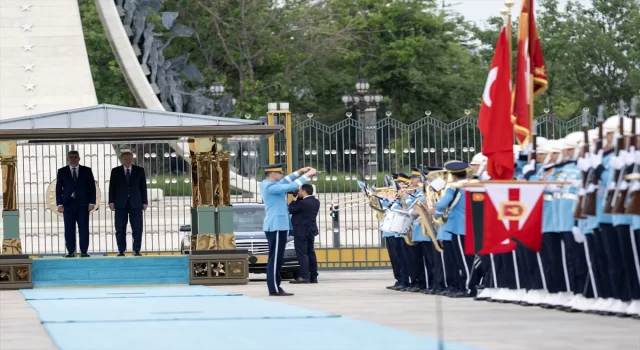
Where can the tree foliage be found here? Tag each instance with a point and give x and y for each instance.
(418, 55)
(111, 88)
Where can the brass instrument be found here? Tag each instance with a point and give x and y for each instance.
(431, 224)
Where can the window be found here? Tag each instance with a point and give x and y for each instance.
(248, 219)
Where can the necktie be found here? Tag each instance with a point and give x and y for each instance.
(128, 174)
(75, 175)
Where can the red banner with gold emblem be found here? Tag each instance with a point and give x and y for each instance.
(476, 237)
(513, 211)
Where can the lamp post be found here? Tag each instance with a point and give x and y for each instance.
(366, 104)
(217, 91)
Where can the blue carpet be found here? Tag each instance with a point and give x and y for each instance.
(130, 292)
(110, 271)
(281, 334)
(175, 308)
(196, 318)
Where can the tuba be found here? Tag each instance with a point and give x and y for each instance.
(430, 224)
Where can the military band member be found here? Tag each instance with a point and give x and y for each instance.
(274, 189)
(455, 225)
(394, 247)
(420, 252)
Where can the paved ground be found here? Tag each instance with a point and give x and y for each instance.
(362, 295)
(20, 328)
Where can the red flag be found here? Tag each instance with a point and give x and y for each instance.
(531, 74)
(495, 114)
(477, 240)
(513, 211)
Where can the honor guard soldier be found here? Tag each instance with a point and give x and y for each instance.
(565, 198)
(274, 189)
(611, 255)
(453, 200)
(478, 165)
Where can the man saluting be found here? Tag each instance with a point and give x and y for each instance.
(277, 224)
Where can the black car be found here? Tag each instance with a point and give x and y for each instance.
(247, 227)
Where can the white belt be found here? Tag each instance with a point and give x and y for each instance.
(565, 196)
(548, 197)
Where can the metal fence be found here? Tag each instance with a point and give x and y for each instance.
(342, 152)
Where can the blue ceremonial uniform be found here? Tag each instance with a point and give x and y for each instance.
(454, 200)
(277, 222)
(454, 251)
(575, 266)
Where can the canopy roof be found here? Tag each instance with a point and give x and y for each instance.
(116, 123)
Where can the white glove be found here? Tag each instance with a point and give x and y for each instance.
(552, 188)
(577, 235)
(630, 156)
(617, 162)
(529, 167)
(485, 176)
(636, 157)
(635, 186)
(596, 159)
(584, 164)
(623, 186)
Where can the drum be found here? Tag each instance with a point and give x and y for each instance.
(397, 222)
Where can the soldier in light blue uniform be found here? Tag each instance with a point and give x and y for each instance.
(396, 241)
(610, 258)
(455, 225)
(550, 239)
(421, 260)
(574, 263)
(277, 223)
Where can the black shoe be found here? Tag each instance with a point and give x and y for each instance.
(282, 293)
(120, 254)
(414, 289)
(70, 255)
(137, 254)
(313, 281)
(299, 281)
(84, 255)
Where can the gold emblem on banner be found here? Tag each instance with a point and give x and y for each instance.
(511, 210)
(51, 197)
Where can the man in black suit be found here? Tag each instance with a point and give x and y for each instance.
(128, 198)
(304, 211)
(75, 198)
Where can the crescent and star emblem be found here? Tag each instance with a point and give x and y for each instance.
(51, 197)
(486, 95)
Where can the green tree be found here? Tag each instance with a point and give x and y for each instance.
(109, 82)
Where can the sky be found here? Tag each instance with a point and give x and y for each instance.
(479, 10)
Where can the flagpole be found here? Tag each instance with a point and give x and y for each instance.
(531, 74)
(506, 12)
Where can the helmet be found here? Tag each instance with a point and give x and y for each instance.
(478, 159)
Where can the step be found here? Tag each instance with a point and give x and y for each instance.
(110, 271)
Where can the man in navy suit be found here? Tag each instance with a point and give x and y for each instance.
(128, 198)
(304, 211)
(75, 198)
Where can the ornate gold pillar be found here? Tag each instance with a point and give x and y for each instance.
(222, 194)
(203, 213)
(10, 214)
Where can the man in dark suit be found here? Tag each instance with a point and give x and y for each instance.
(75, 198)
(304, 211)
(128, 198)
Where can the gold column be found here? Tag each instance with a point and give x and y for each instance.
(10, 214)
(226, 237)
(204, 184)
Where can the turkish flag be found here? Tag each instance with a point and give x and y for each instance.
(513, 211)
(531, 74)
(477, 239)
(495, 114)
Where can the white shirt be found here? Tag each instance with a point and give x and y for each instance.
(129, 168)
